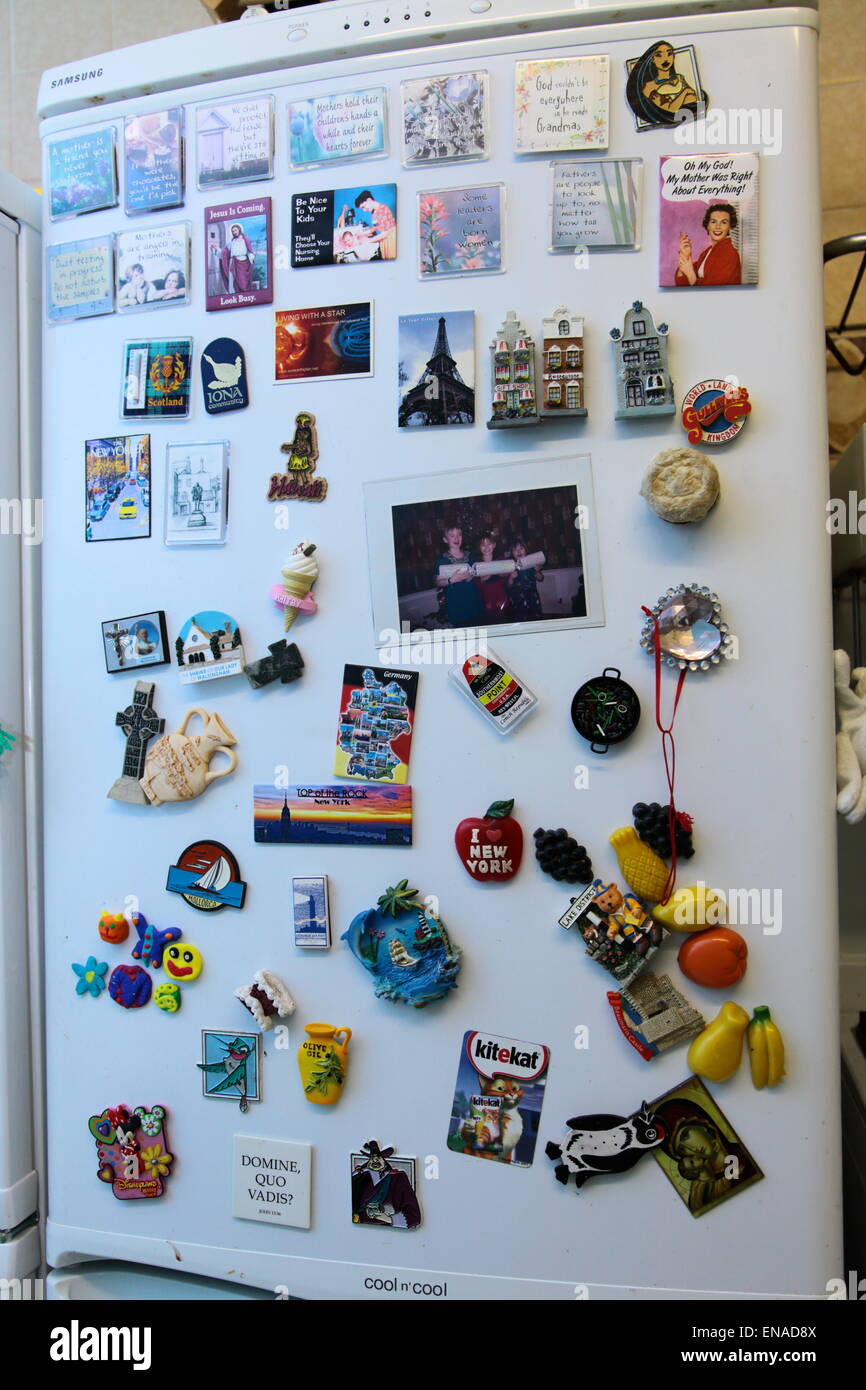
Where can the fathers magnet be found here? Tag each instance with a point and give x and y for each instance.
(224, 377)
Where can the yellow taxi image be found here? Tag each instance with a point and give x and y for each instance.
(128, 509)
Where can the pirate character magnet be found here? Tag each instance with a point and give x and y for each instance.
(298, 482)
(405, 947)
(132, 1150)
(715, 411)
(490, 847)
(208, 877)
(224, 377)
(498, 1098)
(383, 1189)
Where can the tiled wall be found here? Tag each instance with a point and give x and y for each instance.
(843, 139)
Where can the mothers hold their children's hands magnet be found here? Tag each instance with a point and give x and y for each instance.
(132, 1150)
(178, 766)
(490, 846)
(405, 947)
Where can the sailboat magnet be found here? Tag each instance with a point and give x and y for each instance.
(208, 877)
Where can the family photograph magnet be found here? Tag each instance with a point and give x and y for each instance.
(130, 643)
(117, 488)
(496, 1109)
(337, 127)
(79, 279)
(384, 1189)
(153, 161)
(708, 220)
(436, 369)
(445, 118)
(207, 647)
(702, 1156)
(561, 104)
(461, 230)
(333, 341)
(152, 267)
(196, 501)
(664, 86)
(312, 921)
(208, 877)
(231, 1066)
(271, 1181)
(238, 251)
(375, 722)
(344, 815)
(234, 141)
(156, 379)
(344, 226)
(595, 204)
(82, 173)
(224, 377)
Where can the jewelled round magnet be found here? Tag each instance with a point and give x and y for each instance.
(692, 635)
(714, 411)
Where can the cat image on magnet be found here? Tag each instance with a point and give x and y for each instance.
(597, 1145)
(495, 1125)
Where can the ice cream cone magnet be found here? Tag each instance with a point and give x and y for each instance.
(299, 575)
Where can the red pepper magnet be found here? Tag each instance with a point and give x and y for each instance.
(490, 847)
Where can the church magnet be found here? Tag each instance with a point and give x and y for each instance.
(224, 377)
(207, 876)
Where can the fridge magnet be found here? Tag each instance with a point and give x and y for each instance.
(82, 173)
(645, 872)
(178, 766)
(643, 381)
(167, 997)
(498, 1097)
(557, 853)
(605, 710)
(208, 877)
(183, 963)
(383, 1189)
(196, 497)
(6, 740)
(513, 397)
(284, 664)
(715, 411)
(79, 279)
(344, 226)
(490, 846)
(595, 205)
(132, 1150)
(224, 377)
(91, 977)
(445, 119)
(235, 141)
(691, 634)
(337, 127)
(267, 999)
(208, 647)
(117, 488)
(562, 366)
(152, 267)
(766, 1049)
(664, 86)
(597, 1146)
(152, 942)
(130, 986)
(299, 575)
(153, 161)
(231, 1066)
(701, 1154)
(375, 723)
(715, 1053)
(156, 379)
(690, 909)
(405, 947)
(653, 1016)
(312, 919)
(708, 220)
(298, 483)
(239, 254)
(343, 815)
(436, 369)
(322, 1061)
(130, 643)
(561, 104)
(461, 231)
(652, 823)
(271, 1181)
(680, 485)
(715, 958)
(528, 525)
(618, 933)
(333, 341)
(113, 928)
(139, 723)
(494, 690)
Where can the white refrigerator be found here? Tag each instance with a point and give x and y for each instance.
(754, 738)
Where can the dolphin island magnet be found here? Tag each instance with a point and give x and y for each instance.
(132, 1150)
(298, 483)
(224, 377)
(383, 1189)
(405, 947)
(596, 1146)
(715, 411)
(208, 877)
(490, 847)
(208, 646)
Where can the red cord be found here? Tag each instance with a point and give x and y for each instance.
(669, 753)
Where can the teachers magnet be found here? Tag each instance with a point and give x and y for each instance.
(714, 412)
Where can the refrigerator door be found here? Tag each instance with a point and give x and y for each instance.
(754, 738)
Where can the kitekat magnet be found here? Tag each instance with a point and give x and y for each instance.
(224, 377)
(178, 766)
(208, 877)
(596, 1146)
(311, 914)
(405, 947)
(383, 1189)
(132, 1150)
(208, 646)
(490, 847)
(715, 411)
(140, 723)
(498, 1097)
(297, 483)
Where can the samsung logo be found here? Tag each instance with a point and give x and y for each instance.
(76, 77)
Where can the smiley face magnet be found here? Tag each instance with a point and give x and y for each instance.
(183, 962)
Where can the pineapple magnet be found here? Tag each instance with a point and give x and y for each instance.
(405, 947)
